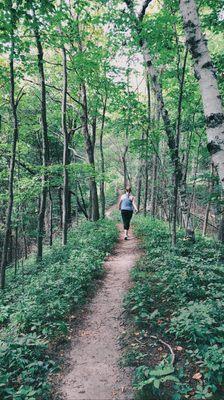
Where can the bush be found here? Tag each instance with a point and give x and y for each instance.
(35, 307)
(178, 296)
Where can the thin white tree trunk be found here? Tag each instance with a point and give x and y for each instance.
(206, 76)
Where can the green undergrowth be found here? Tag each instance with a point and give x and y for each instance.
(177, 298)
(35, 307)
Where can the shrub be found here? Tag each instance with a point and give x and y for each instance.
(178, 296)
(36, 305)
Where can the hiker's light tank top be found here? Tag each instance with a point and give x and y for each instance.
(126, 202)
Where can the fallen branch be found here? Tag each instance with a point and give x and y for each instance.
(168, 346)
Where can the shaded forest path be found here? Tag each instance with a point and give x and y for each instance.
(95, 352)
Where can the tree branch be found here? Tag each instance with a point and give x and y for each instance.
(56, 88)
(145, 5)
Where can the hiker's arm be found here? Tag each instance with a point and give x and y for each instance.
(134, 205)
(119, 203)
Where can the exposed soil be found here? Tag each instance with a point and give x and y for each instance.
(94, 372)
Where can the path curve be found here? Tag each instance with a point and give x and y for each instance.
(95, 353)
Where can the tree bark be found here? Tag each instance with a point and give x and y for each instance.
(90, 153)
(89, 142)
(207, 211)
(45, 144)
(139, 186)
(154, 185)
(125, 170)
(221, 230)
(205, 73)
(60, 204)
(14, 104)
(147, 145)
(102, 181)
(82, 198)
(69, 207)
(50, 219)
(186, 216)
(65, 150)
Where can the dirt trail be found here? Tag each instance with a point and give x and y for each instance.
(94, 356)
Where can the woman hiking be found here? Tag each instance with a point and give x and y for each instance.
(127, 206)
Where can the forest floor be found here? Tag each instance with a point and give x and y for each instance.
(93, 372)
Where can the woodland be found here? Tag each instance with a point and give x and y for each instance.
(97, 95)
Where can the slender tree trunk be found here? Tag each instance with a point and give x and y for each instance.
(80, 205)
(184, 206)
(139, 186)
(45, 144)
(60, 205)
(10, 248)
(90, 153)
(16, 251)
(125, 170)
(174, 208)
(195, 178)
(186, 216)
(69, 207)
(221, 229)
(50, 219)
(145, 201)
(207, 211)
(154, 185)
(65, 150)
(147, 145)
(25, 245)
(102, 182)
(206, 76)
(8, 222)
(83, 200)
(89, 142)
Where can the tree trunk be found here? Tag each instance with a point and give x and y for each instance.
(14, 104)
(65, 150)
(69, 207)
(89, 142)
(186, 216)
(139, 186)
(154, 185)
(10, 248)
(60, 205)
(80, 205)
(147, 145)
(205, 73)
(83, 200)
(102, 181)
(145, 201)
(182, 182)
(25, 250)
(125, 170)
(45, 144)
(207, 211)
(50, 219)
(175, 207)
(221, 230)
(90, 153)
(16, 251)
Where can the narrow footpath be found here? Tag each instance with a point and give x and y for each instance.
(94, 372)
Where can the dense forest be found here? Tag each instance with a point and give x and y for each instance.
(97, 95)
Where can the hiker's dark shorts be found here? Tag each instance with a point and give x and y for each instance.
(126, 217)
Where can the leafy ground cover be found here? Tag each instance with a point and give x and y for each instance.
(34, 309)
(175, 340)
